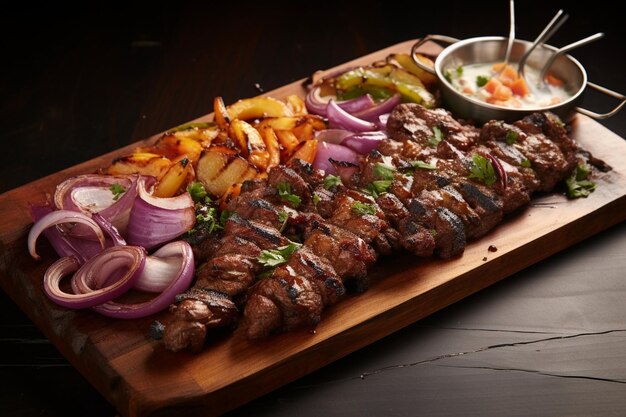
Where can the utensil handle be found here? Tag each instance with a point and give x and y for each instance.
(614, 94)
(437, 38)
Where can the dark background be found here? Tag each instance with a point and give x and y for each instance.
(77, 82)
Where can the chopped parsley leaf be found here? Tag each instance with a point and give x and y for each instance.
(481, 80)
(436, 138)
(117, 190)
(332, 181)
(376, 188)
(422, 165)
(197, 192)
(384, 171)
(482, 170)
(224, 216)
(284, 192)
(316, 200)
(578, 184)
(511, 137)
(283, 216)
(525, 163)
(271, 258)
(363, 208)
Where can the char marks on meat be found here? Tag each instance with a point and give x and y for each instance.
(430, 204)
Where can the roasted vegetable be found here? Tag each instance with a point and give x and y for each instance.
(218, 171)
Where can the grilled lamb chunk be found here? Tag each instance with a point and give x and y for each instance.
(231, 273)
(261, 317)
(282, 174)
(258, 209)
(265, 237)
(320, 272)
(365, 226)
(413, 122)
(313, 177)
(543, 142)
(347, 252)
(195, 311)
(296, 298)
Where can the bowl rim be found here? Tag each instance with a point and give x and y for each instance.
(465, 42)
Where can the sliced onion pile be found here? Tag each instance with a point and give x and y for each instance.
(92, 249)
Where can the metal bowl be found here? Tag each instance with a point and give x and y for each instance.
(490, 49)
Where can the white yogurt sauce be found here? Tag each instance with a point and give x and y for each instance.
(464, 79)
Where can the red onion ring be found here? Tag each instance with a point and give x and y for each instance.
(332, 135)
(341, 119)
(502, 176)
(182, 281)
(373, 113)
(91, 194)
(154, 221)
(364, 142)
(316, 103)
(88, 283)
(330, 151)
(59, 217)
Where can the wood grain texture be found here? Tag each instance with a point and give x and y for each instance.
(140, 378)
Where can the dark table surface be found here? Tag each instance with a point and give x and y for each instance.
(79, 82)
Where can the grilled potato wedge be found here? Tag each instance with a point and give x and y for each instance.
(144, 163)
(175, 179)
(218, 171)
(258, 107)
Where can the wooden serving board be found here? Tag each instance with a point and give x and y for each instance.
(140, 378)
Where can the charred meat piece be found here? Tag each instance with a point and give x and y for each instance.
(320, 272)
(258, 209)
(194, 312)
(413, 122)
(262, 235)
(296, 298)
(282, 177)
(543, 142)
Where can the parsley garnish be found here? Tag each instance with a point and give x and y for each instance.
(578, 184)
(197, 192)
(224, 216)
(481, 80)
(316, 200)
(332, 181)
(384, 171)
(363, 208)
(376, 188)
(482, 170)
(283, 216)
(271, 258)
(207, 220)
(117, 189)
(436, 138)
(422, 165)
(511, 137)
(525, 163)
(284, 192)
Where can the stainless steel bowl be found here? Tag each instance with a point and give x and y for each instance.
(489, 49)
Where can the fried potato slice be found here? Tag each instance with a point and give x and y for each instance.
(218, 171)
(258, 107)
(175, 179)
(144, 163)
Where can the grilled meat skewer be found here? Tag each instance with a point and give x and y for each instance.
(432, 203)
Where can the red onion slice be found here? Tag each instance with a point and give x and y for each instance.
(330, 151)
(332, 135)
(92, 194)
(372, 113)
(88, 283)
(60, 217)
(179, 284)
(364, 142)
(154, 221)
(316, 103)
(338, 118)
